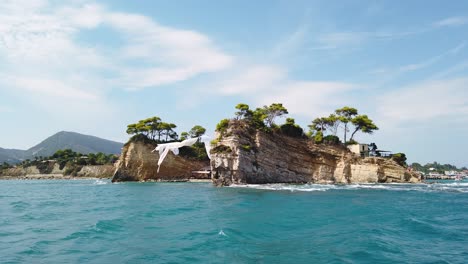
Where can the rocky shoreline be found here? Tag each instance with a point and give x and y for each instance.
(47, 177)
(256, 157)
(57, 173)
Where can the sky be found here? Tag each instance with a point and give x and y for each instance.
(94, 67)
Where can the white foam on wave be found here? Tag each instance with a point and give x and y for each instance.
(461, 187)
(100, 182)
(288, 187)
(221, 233)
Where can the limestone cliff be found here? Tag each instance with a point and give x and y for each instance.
(54, 172)
(257, 157)
(138, 163)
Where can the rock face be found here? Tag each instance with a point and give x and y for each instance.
(138, 163)
(98, 171)
(273, 158)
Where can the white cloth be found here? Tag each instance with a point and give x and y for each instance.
(164, 149)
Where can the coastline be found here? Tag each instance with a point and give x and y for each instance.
(47, 177)
(69, 177)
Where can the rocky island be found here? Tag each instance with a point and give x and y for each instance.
(251, 149)
(63, 164)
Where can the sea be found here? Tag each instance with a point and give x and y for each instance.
(96, 221)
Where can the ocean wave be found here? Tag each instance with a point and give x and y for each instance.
(100, 182)
(461, 187)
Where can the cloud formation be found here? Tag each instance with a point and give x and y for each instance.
(452, 21)
(42, 52)
(426, 101)
(266, 84)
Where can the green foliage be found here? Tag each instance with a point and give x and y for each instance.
(45, 167)
(221, 149)
(246, 147)
(437, 167)
(364, 124)
(244, 112)
(331, 140)
(345, 115)
(197, 131)
(5, 166)
(400, 158)
(68, 156)
(272, 112)
(258, 117)
(184, 135)
(154, 129)
(141, 138)
(195, 152)
(222, 127)
(291, 129)
(352, 142)
(318, 138)
(346, 112)
(72, 169)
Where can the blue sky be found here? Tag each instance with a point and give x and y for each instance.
(95, 66)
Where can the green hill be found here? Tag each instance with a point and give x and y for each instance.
(11, 155)
(63, 140)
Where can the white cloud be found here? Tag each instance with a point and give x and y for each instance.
(42, 53)
(176, 54)
(452, 21)
(388, 74)
(266, 84)
(426, 101)
(50, 88)
(43, 40)
(52, 69)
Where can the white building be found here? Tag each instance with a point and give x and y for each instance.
(360, 149)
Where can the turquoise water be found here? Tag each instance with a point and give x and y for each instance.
(93, 221)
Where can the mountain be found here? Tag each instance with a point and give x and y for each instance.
(11, 155)
(63, 140)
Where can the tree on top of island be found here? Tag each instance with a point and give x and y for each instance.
(342, 117)
(264, 119)
(154, 131)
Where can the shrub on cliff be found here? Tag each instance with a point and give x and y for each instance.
(222, 127)
(352, 142)
(195, 152)
(221, 149)
(291, 129)
(72, 169)
(400, 158)
(331, 140)
(45, 167)
(318, 138)
(5, 166)
(141, 138)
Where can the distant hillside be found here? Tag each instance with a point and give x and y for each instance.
(11, 155)
(77, 142)
(63, 140)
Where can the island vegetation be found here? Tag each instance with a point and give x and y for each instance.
(72, 162)
(154, 131)
(436, 167)
(322, 130)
